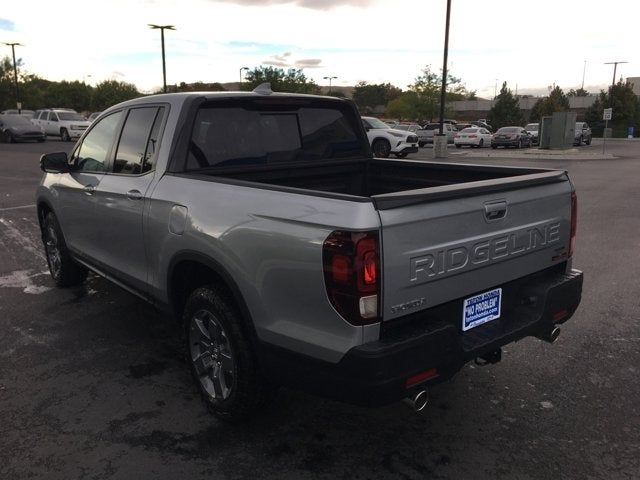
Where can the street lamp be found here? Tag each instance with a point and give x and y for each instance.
(443, 92)
(162, 28)
(329, 78)
(615, 67)
(15, 72)
(241, 69)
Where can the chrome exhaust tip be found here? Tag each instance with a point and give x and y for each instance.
(418, 401)
(551, 335)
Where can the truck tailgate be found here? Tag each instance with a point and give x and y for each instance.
(447, 248)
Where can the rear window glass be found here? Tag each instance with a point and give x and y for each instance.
(509, 130)
(228, 136)
(469, 130)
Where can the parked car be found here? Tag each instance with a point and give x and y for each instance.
(24, 113)
(16, 128)
(290, 256)
(472, 137)
(65, 123)
(516, 137)
(583, 133)
(386, 140)
(409, 127)
(426, 133)
(93, 116)
(533, 128)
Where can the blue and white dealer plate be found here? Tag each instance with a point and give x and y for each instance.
(481, 309)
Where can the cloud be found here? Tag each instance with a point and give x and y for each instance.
(312, 4)
(286, 60)
(7, 25)
(308, 63)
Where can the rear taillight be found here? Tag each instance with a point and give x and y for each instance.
(473, 136)
(351, 263)
(574, 222)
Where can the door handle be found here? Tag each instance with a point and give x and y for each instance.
(134, 195)
(89, 189)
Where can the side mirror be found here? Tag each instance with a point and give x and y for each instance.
(54, 162)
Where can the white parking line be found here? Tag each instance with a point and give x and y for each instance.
(16, 208)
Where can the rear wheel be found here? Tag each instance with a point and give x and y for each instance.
(481, 144)
(7, 137)
(588, 142)
(64, 135)
(64, 270)
(220, 355)
(381, 148)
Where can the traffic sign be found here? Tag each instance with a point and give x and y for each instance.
(608, 113)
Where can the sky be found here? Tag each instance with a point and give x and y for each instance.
(529, 44)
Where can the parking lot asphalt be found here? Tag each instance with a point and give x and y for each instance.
(93, 385)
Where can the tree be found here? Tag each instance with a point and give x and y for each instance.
(427, 88)
(625, 105)
(292, 81)
(506, 110)
(404, 107)
(368, 97)
(198, 87)
(110, 92)
(557, 101)
(580, 92)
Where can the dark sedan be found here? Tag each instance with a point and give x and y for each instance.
(16, 128)
(511, 137)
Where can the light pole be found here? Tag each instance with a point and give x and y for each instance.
(241, 69)
(443, 92)
(495, 89)
(584, 70)
(162, 28)
(15, 72)
(615, 67)
(329, 78)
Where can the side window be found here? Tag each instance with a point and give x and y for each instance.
(53, 116)
(44, 116)
(92, 153)
(136, 145)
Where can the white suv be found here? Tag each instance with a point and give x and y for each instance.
(64, 123)
(385, 140)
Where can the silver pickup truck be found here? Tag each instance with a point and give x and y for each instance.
(293, 257)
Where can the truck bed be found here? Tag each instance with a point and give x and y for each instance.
(390, 183)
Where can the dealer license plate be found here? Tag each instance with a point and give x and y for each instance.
(481, 309)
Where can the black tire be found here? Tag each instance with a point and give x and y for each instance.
(7, 137)
(64, 135)
(481, 144)
(381, 148)
(40, 140)
(588, 142)
(458, 146)
(519, 145)
(495, 147)
(248, 391)
(64, 270)
(401, 155)
(421, 144)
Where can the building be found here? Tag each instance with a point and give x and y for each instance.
(635, 81)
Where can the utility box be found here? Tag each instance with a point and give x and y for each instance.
(563, 130)
(544, 132)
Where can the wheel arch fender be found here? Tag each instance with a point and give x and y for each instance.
(209, 271)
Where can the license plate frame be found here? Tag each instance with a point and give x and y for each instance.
(481, 308)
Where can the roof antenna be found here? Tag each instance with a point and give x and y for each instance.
(263, 89)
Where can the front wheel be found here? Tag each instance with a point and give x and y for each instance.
(64, 270)
(7, 137)
(381, 148)
(588, 142)
(222, 361)
(64, 135)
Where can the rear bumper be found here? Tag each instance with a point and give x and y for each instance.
(374, 374)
